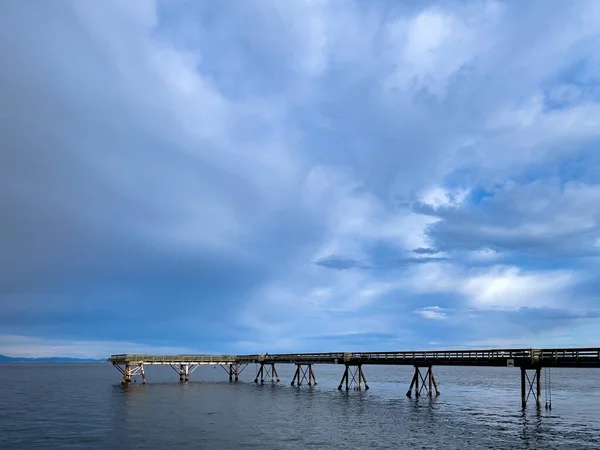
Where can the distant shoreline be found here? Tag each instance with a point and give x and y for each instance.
(52, 362)
(55, 359)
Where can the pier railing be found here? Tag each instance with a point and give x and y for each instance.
(172, 359)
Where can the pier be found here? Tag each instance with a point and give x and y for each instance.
(530, 361)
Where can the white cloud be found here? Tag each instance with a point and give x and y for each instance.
(315, 290)
(357, 218)
(517, 136)
(437, 196)
(432, 313)
(495, 287)
(510, 288)
(429, 48)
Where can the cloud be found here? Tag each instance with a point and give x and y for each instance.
(436, 197)
(510, 288)
(333, 262)
(428, 49)
(540, 218)
(484, 255)
(303, 185)
(495, 287)
(432, 313)
(424, 251)
(357, 221)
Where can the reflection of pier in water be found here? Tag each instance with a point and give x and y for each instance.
(530, 361)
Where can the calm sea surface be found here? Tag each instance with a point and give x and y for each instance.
(84, 406)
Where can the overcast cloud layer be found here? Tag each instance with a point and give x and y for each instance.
(298, 176)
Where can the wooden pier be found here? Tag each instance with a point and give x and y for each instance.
(353, 377)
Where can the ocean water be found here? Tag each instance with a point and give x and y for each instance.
(83, 406)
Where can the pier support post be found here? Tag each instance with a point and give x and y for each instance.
(344, 378)
(274, 374)
(130, 371)
(311, 374)
(430, 377)
(531, 386)
(417, 376)
(523, 391)
(233, 370)
(260, 372)
(126, 375)
(412, 383)
(427, 382)
(538, 373)
(437, 391)
(362, 375)
(296, 375)
(184, 370)
(270, 370)
(353, 377)
(304, 374)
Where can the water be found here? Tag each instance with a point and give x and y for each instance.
(49, 406)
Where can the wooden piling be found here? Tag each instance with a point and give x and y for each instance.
(296, 375)
(430, 377)
(417, 376)
(523, 392)
(364, 379)
(126, 374)
(342, 380)
(412, 383)
(538, 373)
(311, 376)
(437, 392)
(260, 373)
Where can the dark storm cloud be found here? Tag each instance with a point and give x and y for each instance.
(91, 193)
(539, 218)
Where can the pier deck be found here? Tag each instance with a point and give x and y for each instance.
(354, 376)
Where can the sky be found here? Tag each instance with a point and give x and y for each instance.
(292, 176)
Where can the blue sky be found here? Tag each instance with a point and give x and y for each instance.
(265, 176)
